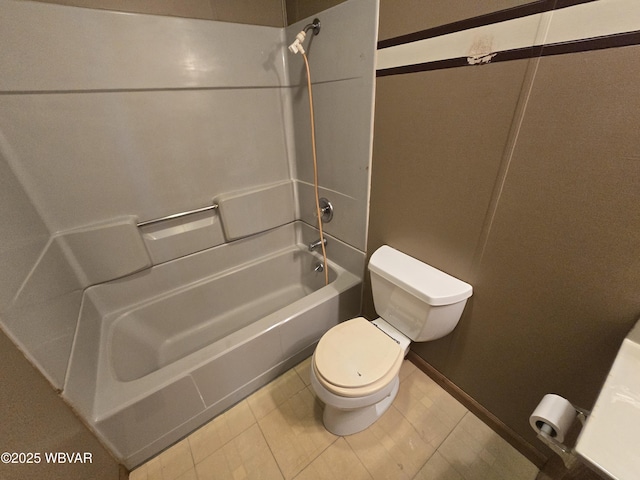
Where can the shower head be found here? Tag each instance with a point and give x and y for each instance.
(296, 46)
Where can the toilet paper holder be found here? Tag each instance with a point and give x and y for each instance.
(566, 453)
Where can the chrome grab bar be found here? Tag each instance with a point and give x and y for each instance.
(178, 215)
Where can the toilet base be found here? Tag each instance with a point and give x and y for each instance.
(347, 422)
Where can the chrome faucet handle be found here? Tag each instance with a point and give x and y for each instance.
(326, 210)
(316, 244)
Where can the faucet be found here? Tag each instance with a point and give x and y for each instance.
(316, 244)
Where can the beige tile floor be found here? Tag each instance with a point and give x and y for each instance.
(277, 433)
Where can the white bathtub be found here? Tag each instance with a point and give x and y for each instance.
(159, 353)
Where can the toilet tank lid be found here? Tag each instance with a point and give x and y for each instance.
(424, 281)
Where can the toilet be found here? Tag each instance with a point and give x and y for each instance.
(356, 364)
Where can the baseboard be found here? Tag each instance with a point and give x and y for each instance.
(515, 440)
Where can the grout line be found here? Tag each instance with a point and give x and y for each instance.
(193, 460)
(188, 437)
(425, 463)
(364, 465)
(264, 437)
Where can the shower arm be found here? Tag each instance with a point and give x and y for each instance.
(315, 26)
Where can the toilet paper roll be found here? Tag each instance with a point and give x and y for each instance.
(555, 411)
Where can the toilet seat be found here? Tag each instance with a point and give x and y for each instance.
(355, 358)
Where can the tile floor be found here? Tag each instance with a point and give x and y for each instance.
(277, 433)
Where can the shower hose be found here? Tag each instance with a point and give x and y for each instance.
(315, 172)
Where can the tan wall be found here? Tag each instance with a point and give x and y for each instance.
(400, 17)
(553, 252)
(255, 12)
(36, 420)
(299, 9)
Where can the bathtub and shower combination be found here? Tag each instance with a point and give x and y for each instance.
(146, 114)
(162, 351)
(158, 353)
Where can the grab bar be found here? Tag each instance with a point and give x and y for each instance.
(178, 215)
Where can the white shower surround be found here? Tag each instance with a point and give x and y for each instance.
(114, 116)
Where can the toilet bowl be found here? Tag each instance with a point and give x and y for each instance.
(355, 372)
(355, 367)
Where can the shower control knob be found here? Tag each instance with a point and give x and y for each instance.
(326, 210)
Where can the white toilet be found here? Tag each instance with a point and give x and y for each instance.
(355, 367)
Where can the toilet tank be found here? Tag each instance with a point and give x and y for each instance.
(421, 301)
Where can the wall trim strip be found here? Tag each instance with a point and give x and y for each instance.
(611, 41)
(573, 26)
(533, 8)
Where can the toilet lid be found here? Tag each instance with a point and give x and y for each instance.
(356, 353)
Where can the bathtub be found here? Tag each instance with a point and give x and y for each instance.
(159, 353)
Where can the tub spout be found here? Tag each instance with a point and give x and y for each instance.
(316, 244)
